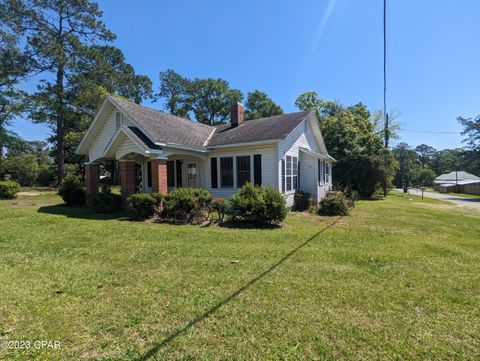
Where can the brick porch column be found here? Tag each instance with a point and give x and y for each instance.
(159, 176)
(127, 179)
(91, 177)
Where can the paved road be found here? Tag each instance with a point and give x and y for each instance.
(461, 201)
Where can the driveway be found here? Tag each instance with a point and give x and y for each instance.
(461, 201)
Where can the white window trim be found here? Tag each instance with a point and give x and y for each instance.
(291, 191)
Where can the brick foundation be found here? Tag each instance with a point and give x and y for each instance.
(91, 177)
(159, 176)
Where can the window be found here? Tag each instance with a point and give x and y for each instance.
(149, 174)
(213, 172)
(178, 165)
(226, 172)
(118, 120)
(320, 172)
(327, 172)
(257, 169)
(291, 173)
(295, 172)
(170, 173)
(243, 170)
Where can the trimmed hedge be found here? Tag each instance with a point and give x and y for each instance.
(333, 204)
(9, 190)
(186, 204)
(72, 191)
(259, 205)
(104, 202)
(142, 206)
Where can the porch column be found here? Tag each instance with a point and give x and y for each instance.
(159, 176)
(127, 179)
(91, 177)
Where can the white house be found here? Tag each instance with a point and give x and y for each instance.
(159, 151)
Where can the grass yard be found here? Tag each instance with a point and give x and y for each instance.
(398, 279)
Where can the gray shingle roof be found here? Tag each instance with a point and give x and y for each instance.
(163, 127)
(460, 175)
(255, 130)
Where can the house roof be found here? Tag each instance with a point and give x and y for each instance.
(161, 127)
(165, 128)
(255, 130)
(454, 176)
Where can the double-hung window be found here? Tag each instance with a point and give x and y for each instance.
(291, 173)
(243, 170)
(226, 172)
(327, 173)
(321, 176)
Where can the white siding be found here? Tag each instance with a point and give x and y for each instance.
(269, 171)
(301, 136)
(103, 137)
(128, 146)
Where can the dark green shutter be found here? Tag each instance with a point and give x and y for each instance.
(213, 172)
(257, 169)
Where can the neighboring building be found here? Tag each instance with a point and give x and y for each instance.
(458, 182)
(158, 151)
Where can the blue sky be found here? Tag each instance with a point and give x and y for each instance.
(333, 47)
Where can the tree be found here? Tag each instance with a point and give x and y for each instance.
(425, 177)
(259, 105)
(174, 89)
(14, 67)
(56, 34)
(424, 153)
(409, 165)
(309, 101)
(211, 100)
(393, 124)
(471, 129)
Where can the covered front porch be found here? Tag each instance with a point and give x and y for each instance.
(145, 167)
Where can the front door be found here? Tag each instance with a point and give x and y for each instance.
(192, 174)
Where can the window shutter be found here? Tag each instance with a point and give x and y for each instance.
(298, 172)
(179, 173)
(257, 169)
(170, 173)
(283, 176)
(149, 174)
(213, 172)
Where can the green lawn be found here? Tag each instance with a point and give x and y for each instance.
(398, 279)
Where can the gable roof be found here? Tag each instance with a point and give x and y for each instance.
(154, 128)
(165, 128)
(460, 175)
(255, 130)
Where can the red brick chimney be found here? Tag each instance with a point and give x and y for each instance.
(236, 114)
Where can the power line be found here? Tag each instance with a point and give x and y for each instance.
(427, 131)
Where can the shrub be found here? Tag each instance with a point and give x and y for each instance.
(105, 201)
(141, 206)
(218, 205)
(186, 204)
(275, 208)
(301, 201)
(22, 168)
(333, 204)
(159, 198)
(9, 190)
(257, 205)
(72, 191)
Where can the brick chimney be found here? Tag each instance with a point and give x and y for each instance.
(236, 114)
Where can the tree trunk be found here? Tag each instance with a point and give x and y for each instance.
(60, 115)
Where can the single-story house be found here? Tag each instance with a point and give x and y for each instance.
(457, 181)
(158, 152)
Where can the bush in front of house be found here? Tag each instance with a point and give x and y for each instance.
(9, 189)
(301, 201)
(72, 191)
(186, 204)
(258, 205)
(105, 201)
(334, 204)
(142, 205)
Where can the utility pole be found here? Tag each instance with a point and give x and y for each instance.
(385, 115)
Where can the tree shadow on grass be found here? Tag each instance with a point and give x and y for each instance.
(247, 225)
(181, 330)
(80, 212)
